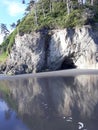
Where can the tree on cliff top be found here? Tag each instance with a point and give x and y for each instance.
(4, 29)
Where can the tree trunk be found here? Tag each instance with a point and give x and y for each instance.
(92, 2)
(50, 6)
(35, 13)
(80, 2)
(43, 10)
(68, 7)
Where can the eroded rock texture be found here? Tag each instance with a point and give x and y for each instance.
(54, 50)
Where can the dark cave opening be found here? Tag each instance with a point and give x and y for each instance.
(68, 64)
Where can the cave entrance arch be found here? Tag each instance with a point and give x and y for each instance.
(68, 64)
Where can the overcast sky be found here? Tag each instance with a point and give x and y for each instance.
(11, 11)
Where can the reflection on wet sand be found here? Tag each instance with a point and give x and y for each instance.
(54, 100)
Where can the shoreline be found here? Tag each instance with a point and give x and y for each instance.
(65, 73)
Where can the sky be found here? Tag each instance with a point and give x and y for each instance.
(11, 11)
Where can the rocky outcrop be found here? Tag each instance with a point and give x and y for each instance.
(79, 46)
(28, 54)
(54, 50)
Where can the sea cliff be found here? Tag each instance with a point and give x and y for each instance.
(49, 50)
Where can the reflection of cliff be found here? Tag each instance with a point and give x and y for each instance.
(75, 96)
(40, 101)
(87, 95)
(60, 96)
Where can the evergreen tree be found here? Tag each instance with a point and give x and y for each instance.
(4, 29)
(23, 1)
(13, 25)
(32, 6)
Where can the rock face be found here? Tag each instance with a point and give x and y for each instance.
(28, 54)
(78, 46)
(54, 50)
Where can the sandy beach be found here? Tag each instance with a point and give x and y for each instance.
(69, 72)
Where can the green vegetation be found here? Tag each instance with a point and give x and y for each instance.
(8, 43)
(4, 89)
(3, 57)
(6, 46)
(6, 95)
(47, 14)
(58, 18)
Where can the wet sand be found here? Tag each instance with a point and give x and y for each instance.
(69, 72)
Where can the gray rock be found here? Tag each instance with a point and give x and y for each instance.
(78, 45)
(28, 54)
(67, 48)
(2, 68)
